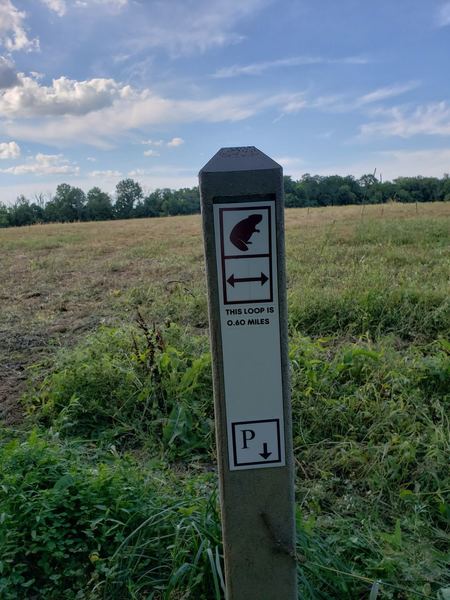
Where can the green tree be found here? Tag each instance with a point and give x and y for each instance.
(151, 205)
(98, 205)
(344, 196)
(367, 180)
(445, 188)
(289, 191)
(67, 205)
(4, 216)
(25, 213)
(128, 193)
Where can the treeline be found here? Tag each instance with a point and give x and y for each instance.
(334, 190)
(71, 204)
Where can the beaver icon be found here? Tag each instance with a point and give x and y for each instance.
(242, 232)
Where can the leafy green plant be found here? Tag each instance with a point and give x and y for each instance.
(130, 387)
(72, 526)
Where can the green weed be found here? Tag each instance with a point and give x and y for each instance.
(131, 387)
(74, 526)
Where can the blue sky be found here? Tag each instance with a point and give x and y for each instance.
(92, 91)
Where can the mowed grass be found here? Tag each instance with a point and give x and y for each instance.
(117, 475)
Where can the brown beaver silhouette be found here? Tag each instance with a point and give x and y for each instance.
(242, 232)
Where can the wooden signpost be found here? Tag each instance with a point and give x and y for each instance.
(242, 205)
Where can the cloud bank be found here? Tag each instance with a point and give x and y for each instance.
(44, 164)
(63, 97)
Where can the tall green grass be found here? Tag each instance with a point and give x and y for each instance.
(371, 438)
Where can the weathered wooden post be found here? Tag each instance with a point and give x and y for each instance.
(243, 224)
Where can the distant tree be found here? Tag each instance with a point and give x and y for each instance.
(67, 205)
(310, 184)
(24, 213)
(165, 202)
(39, 199)
(418, 189)
(345, 195)
(337, 190)
(99, 205)
(367, 180)
(445, 188)
(190, 201)
(388, 191)
(52, 212)
(150, 206)
(4, 216)
(128, 193)
(180, 202)
(289, 191)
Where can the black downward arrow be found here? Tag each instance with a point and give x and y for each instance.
(232, 279)
(264, 453)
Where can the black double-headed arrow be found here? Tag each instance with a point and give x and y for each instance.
(232, 279)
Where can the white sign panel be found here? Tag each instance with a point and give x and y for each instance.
(248, 296)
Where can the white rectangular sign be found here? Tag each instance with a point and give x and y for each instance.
(245, 237)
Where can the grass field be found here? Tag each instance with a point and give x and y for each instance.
(108, 488)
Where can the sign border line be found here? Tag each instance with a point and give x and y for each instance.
(259, 462)
(223, 257)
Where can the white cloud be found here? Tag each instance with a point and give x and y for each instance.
(9, 150)
(395, 163)
(294, 61)
(428, 119)
(58, 6)
(341, 103)
(111, 3)
(64, 96)
(136, 173)
(82, 117)
(443, 15)
(165, 176)
(387, 92)
(44, 164)
(13, 35)
(389, 163)
(108, 174)
(96, 111)
(295, 104)
(153, 142)
(174, 142)
(292, 165)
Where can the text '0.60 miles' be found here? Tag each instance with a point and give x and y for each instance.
(249, 311)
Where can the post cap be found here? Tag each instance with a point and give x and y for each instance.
(244, 158)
